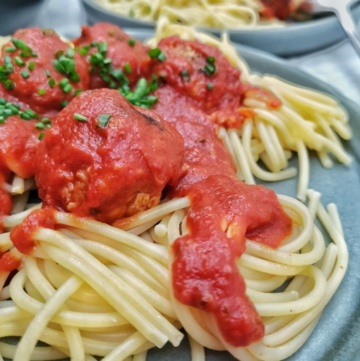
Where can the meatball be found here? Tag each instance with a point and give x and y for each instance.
(105, 158)
(19, 140)
(41, 71)
(129, 57)
(202, 73)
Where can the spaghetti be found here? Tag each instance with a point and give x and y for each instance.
(225, 14)
(89, 266)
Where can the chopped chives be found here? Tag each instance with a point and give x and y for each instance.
(127, 68)
(31, 65)
(65, 64)
(70, 53)
(25, 74)
(10, 49)
(39, 125)
(14, 110)
(26, 51)
(156, 53)
(19, 61)
(52, 82)
(8, 109)
(84, 50)
(102, 48)
(65, 85)
(162, 57)
(31, 113)
(80, 118)
(67, 88)
(42, 91)
(103, 120)
(8, 65)
(209, 68)
(77, 92)
(25, 116)
(63, 82)
(185, 75)
(9, 84)
(116, 78)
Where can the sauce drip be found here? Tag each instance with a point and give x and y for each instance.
(224, 212)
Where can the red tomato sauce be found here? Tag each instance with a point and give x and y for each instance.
(19, 140)
(224, 212)
(5, 199)
(22, 234)
(9, 262)
(280, 9)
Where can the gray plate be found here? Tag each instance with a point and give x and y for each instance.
(337, 336)
(292, 39)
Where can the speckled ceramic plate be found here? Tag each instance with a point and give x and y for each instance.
(293, 38)
(337, 335)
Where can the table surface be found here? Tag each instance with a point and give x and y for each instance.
(338, 65)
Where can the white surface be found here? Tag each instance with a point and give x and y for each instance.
(338, 66)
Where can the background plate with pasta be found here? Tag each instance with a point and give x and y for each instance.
(287, 40)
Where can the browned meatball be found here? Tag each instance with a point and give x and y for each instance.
(41, 71)
(114, 57)
(105, 158)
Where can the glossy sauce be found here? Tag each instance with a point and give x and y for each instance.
(280, 9)
(224, 212)
(22, 234)
(19, 140)
(5, 199)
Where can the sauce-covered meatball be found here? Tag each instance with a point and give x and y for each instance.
(202, 73)
(105, 158)
(114, 57)
(41, 71)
